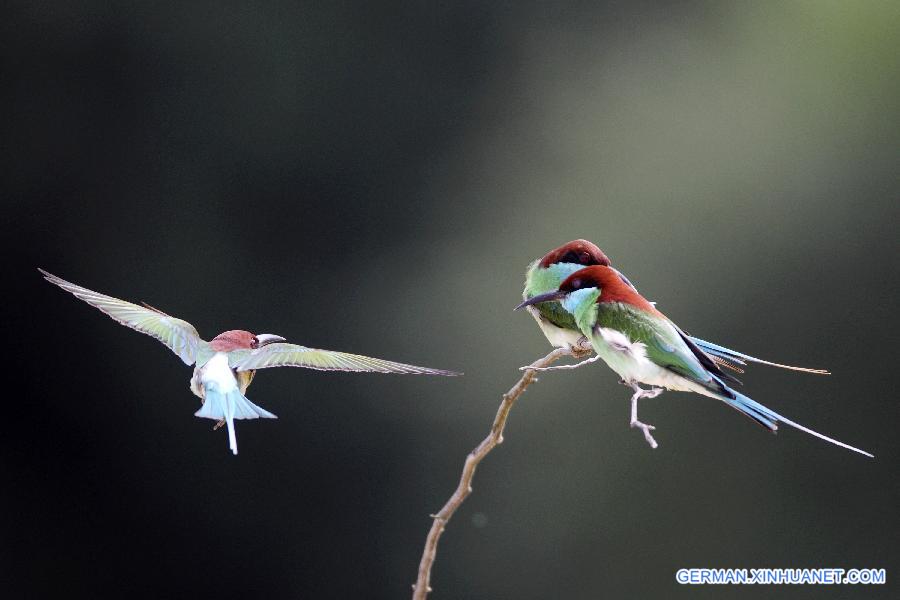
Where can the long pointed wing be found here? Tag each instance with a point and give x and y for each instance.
(180, 336)
(292, 355)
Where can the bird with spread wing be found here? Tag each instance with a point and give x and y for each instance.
(224, 366)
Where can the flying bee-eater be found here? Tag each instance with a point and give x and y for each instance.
(224, 367)
(642, 346)
(548, 272)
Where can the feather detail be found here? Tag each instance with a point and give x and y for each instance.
(178, 335)
(293, 355)
(769, 419)
(228, 407)
(715, 350)
(722, 362)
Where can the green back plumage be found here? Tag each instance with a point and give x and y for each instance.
(540, 281)
(664, 343)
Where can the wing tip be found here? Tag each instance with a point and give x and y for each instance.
(443, 373)
(55, 279)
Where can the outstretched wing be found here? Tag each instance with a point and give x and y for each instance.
(180, 336)
(292, 355)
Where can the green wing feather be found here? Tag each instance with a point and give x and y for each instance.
(664, 343)
(180, 336)
(292, 355)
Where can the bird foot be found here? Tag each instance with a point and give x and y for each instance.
(639, 393)
(219, 425)
(582, 348)
(647, 435)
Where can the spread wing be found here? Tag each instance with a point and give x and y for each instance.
(180, 336)
(292, 355)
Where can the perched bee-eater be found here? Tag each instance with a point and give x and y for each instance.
(547, 273)
(643, 346)
(225, 366)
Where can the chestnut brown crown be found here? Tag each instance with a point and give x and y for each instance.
(580, 252)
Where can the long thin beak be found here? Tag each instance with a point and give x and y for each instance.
(548, 297)
(269, 338)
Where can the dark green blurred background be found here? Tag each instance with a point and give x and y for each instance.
(374, 178)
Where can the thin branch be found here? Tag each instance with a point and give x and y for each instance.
(422, 585)
(594, 358)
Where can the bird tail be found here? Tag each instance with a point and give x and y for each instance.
(770, 419)
(739, 358)
(229, 406)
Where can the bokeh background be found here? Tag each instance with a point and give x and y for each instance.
(374, 177)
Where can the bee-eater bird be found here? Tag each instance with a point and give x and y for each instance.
(547, 273)
(643, 346)
(225, 366)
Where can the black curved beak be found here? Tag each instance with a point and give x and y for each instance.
(268, 338)
(548, 297)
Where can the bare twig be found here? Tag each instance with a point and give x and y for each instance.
(563, 367)
(422, 587)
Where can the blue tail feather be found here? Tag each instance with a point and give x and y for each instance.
(741, 359)
(770, 419)
(754, 410)
(229, 406)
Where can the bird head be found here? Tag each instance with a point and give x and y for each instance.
(238, 339)
(589, 278)
(579, 252)
(586, 285)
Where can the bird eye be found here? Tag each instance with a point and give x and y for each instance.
(254, 343)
